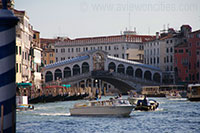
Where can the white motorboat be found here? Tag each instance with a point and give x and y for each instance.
(115, 107)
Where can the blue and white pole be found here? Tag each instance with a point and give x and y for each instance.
(7, 70)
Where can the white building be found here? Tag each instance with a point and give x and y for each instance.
(24, 37)
(127, 46)
(36, 60)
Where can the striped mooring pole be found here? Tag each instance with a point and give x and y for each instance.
(7, 70)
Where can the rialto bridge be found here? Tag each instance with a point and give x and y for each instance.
(97, 69)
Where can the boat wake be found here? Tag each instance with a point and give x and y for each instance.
(55, 114)
(159, 109)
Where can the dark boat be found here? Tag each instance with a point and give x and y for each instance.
(145, 105)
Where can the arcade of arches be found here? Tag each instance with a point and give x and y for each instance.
(112, 67)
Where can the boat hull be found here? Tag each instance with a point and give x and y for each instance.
(194, 99)
(102, 111)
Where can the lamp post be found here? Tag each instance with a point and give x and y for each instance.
(7, 70)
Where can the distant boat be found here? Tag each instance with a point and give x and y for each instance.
(193, 92)
(111, 107)
(173, 95)
(22, 103)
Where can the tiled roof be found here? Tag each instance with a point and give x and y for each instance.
(108, 39)
(64, 62)
(166, 37)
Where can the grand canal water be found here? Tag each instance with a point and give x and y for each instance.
(173, 116)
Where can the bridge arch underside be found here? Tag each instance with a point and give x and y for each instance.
(122, 86)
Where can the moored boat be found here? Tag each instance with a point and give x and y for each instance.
(111, 107)
(193, 92)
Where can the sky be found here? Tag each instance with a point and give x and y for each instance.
(88, 18)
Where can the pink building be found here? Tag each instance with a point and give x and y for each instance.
(194, 56)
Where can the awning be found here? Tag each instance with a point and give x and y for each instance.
(24, 84)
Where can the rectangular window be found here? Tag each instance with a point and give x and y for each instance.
(51, 61)
(22, 55)
(180, 51)
(20, 50)
(16, 67)
(20, 69)
(158, 60)
(127, 56)
(16, 50)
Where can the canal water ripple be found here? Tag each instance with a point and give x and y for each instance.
(172, 116)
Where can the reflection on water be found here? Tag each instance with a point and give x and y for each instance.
(172, 116)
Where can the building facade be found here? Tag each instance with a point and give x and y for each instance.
(194, 56)
(36, 60)
(181, 62)
(121, 46)
(24, 35)
(160, 52)
(48, 53)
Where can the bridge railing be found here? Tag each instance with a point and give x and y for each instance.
(134, 79)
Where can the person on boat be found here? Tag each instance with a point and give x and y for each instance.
(145, 101)
(119, 97)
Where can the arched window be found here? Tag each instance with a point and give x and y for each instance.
(121, 68)
(147, 75)
(129, 71)
(85, 67)
(67, 72)
(112, 66)
(157, 77)
(48, 76)
(138, 73)
(76, 70)
(57, 74)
